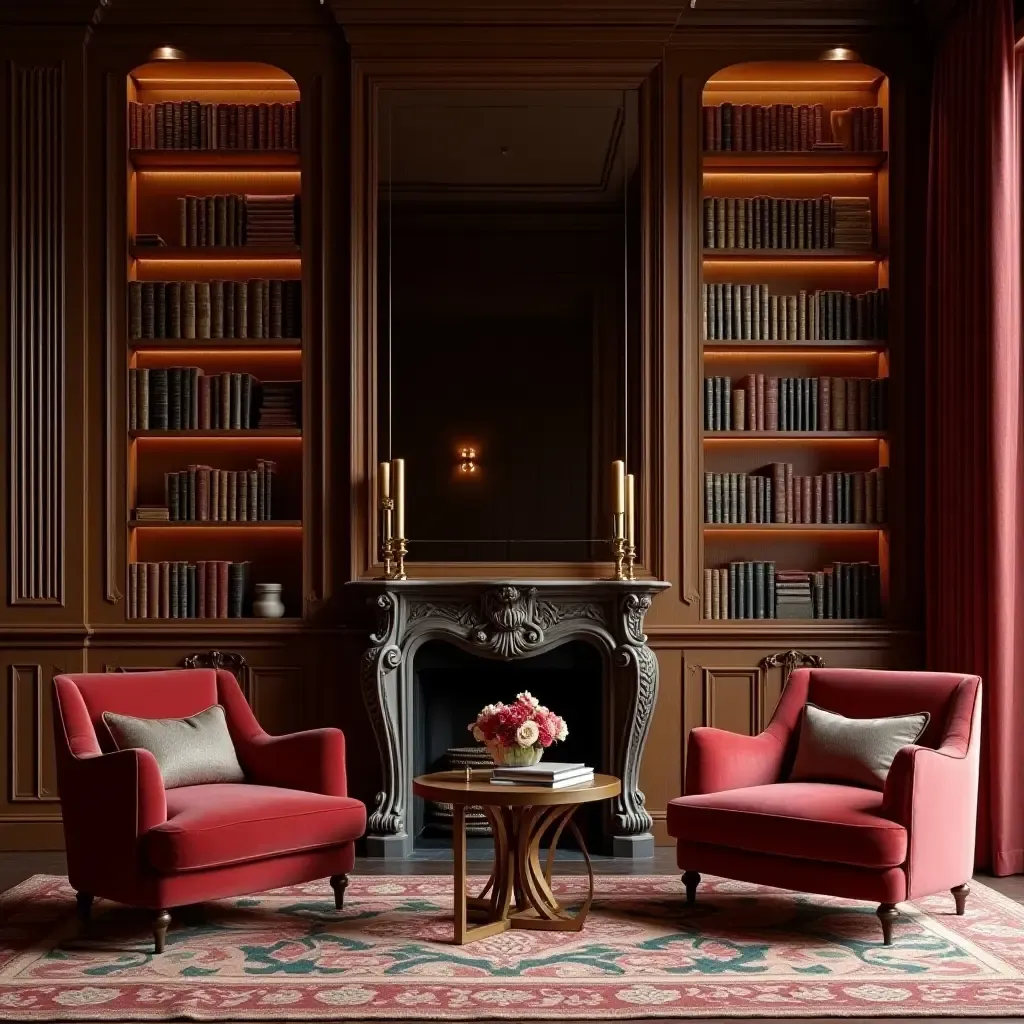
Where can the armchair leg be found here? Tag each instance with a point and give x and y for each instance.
(691, 879)
(339, 883)
(960, 894)
(887, 914)
(84, 901)
(160, 925)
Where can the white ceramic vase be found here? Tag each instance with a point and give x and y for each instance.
(267, 603)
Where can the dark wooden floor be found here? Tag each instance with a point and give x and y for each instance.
(16, 867)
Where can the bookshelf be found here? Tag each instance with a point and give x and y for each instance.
(214, 285)
(795, 298)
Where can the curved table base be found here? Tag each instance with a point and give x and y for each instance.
(518, 893)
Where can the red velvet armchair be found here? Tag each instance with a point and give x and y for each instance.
(130, 840)
(742, 819)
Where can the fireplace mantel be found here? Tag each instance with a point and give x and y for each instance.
(507, 620)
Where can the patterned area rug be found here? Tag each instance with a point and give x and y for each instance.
(743, 950)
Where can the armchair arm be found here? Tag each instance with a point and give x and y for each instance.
(718, 760)
(313, 760)
(934, 795)
(109, 802)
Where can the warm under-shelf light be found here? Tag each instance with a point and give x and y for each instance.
(867, 353)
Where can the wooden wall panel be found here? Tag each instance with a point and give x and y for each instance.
(36, 314)
(32, 767)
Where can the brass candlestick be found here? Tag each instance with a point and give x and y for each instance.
(387, 506)
(619, 546)
(630, 557)
(398, 551)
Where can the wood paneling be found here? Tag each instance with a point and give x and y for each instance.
(64, 354)
(36, 303)
(31, 763)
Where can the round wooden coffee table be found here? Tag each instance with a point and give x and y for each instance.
(520, 817)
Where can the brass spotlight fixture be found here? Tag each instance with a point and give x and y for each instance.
(840, 53)
(167, 53)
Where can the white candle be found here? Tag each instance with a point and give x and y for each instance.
(618, 494)
(630, 498)
(398, 491)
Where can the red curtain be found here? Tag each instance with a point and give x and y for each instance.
(975, 412)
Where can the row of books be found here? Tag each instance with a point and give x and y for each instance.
(237, 220)
(204, 494)
(777, 495)
(768, 222)
(256, 308)
(189, 124)
(750, 312)
(185, 398)
(548, 775)
(761, 402)
(756, 590)
(187, 590)
(786, 128)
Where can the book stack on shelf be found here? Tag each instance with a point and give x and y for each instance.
(203, 494)
(189, 124)
(281, 405)
(210, 326)
(795, 326)
(771, 222)
(231, 220)
(786, 128)
(759, 590)
(545, 774)
(775, 494)
(750, 312)
(183, 590)
(760, 402)
(257, 308)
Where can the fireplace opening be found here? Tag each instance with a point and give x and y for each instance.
(451, 685)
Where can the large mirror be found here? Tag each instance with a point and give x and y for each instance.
(509, 316)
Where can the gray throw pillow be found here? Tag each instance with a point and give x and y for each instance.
(858, 751)
(189, 751)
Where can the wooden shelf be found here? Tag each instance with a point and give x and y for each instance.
(248, 624)
(237, 435)
(144, 344)
(231, 253)
(826, 347)
(821, 161)
(212, 159)
(195, 524)
(789, 255)
(783, 624)
(797, 528)
(793, 435)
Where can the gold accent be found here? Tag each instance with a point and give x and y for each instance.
(399, 550)
(619, 547)
(630, 559)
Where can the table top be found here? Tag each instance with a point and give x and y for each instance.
(452, 787)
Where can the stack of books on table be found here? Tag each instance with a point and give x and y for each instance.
(552, 775)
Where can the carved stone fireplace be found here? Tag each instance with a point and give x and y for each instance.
(508, 621)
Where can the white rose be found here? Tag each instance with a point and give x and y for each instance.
(527, 733)
(528, 698)
(563, 731)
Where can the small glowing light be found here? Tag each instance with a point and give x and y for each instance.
(467, 461)
(167, 53)
(840, 53)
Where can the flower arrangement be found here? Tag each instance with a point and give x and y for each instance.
(518, 733)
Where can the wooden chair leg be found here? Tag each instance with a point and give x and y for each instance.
(339, 883)
(691, 879)
(84, 901)
(887, 914)
(960, 894)
(160, 925)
